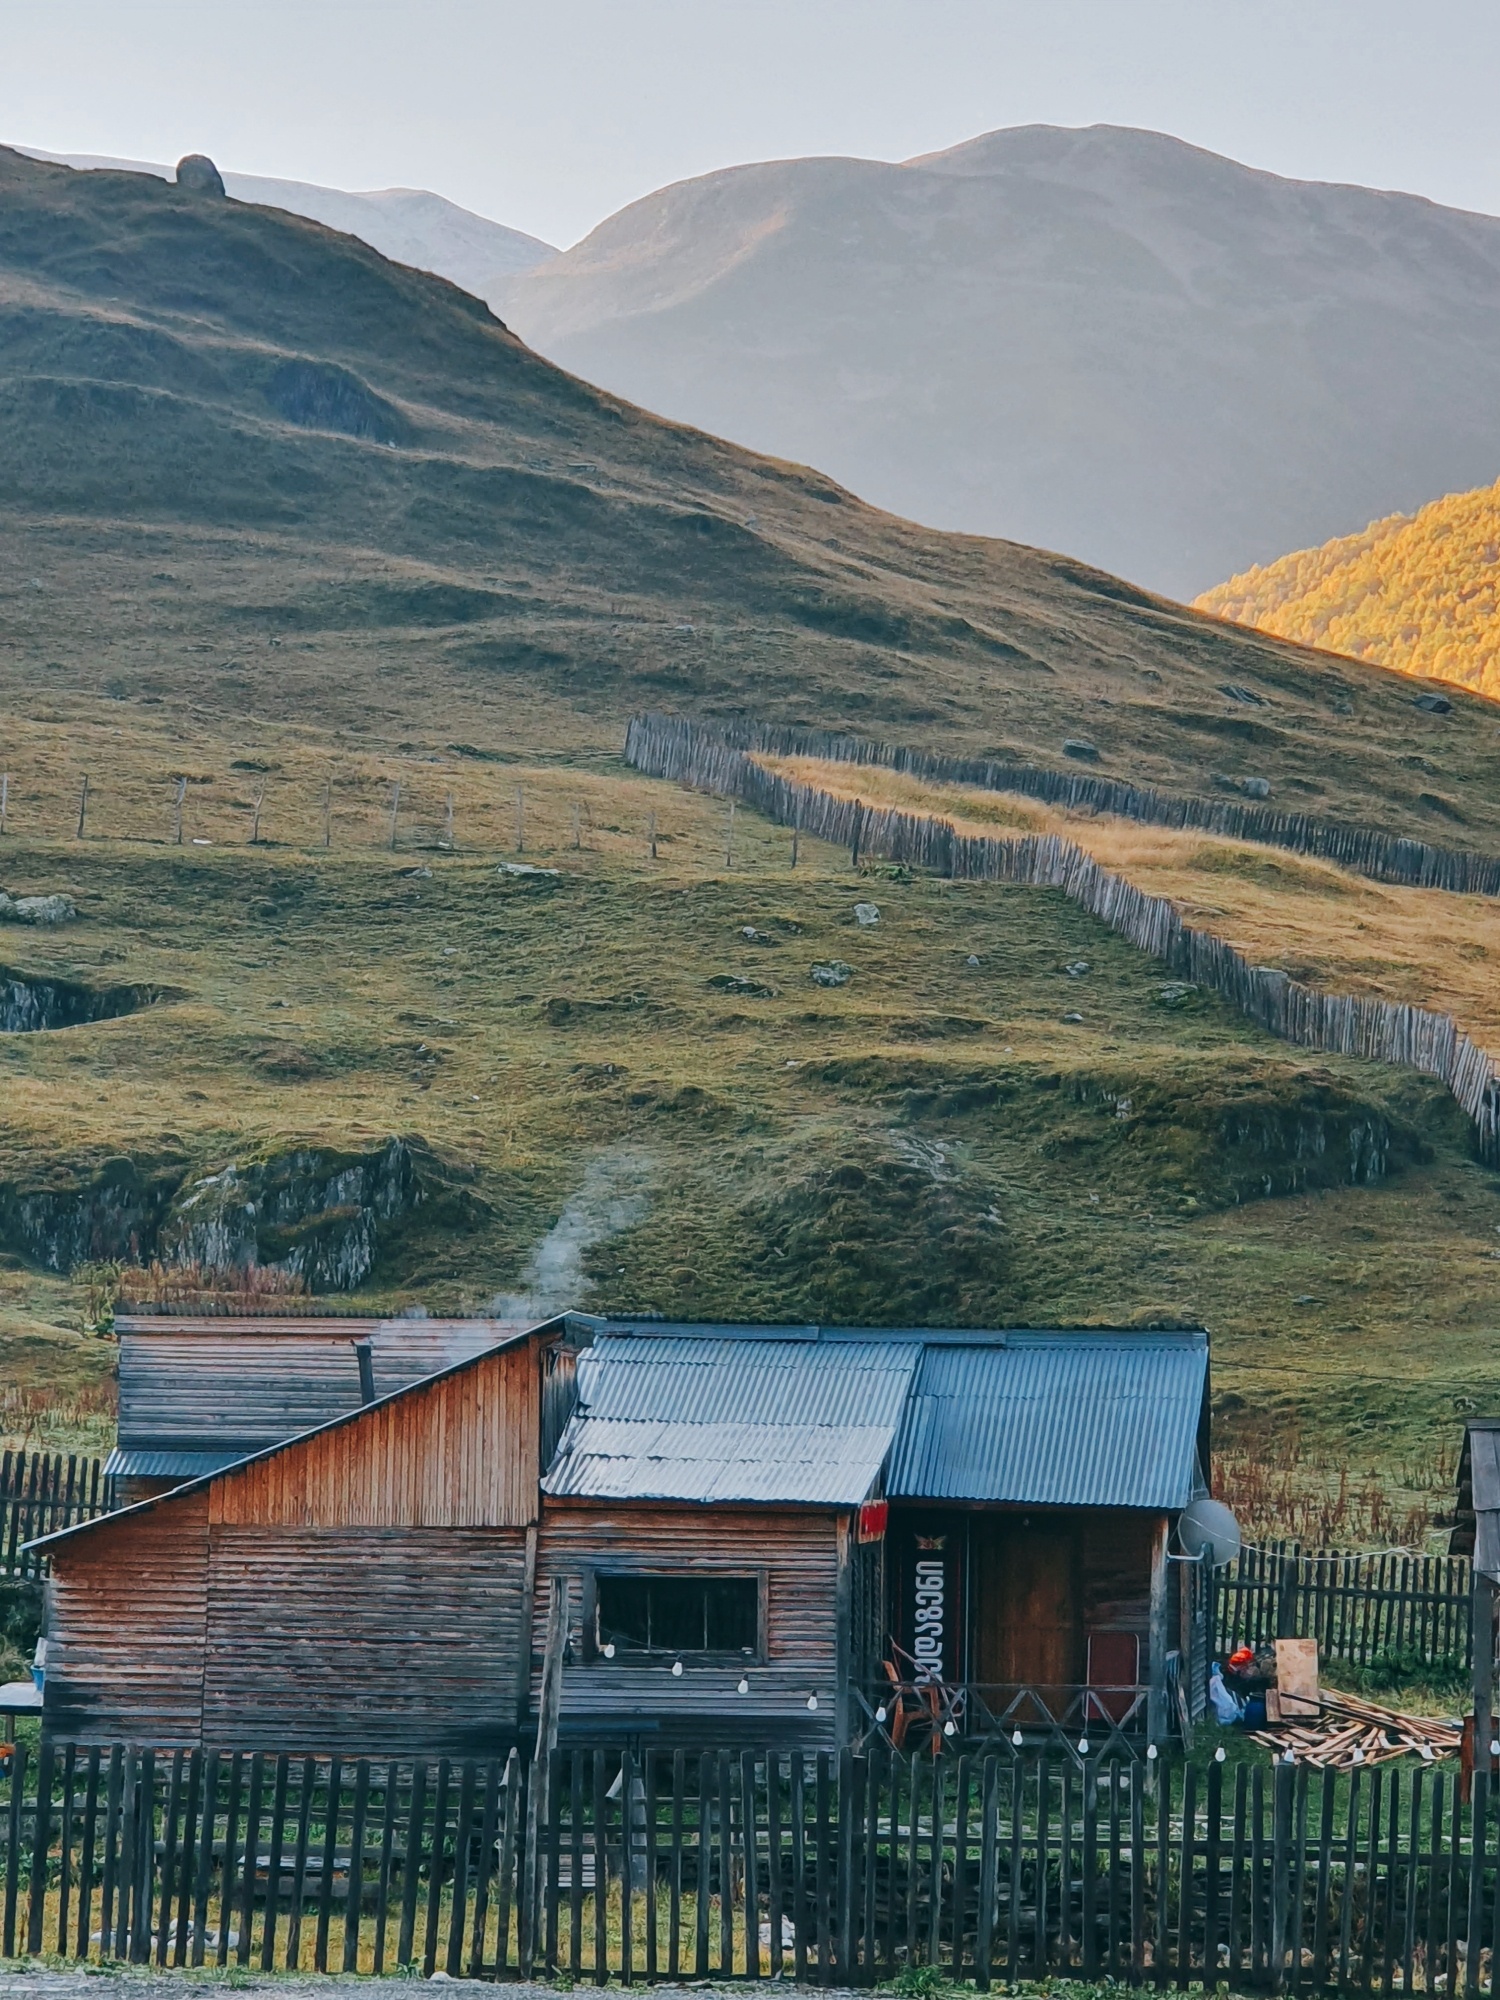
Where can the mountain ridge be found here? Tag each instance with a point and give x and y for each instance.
(1101, 340)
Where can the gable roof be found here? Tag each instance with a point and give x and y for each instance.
(102, 1522)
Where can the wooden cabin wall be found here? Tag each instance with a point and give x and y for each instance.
(127, 1609)
(461, 1453)
(799, 1552)
(364, 1641)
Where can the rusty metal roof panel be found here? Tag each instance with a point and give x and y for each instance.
(702, 1418)
(1061, 1420)
(231, 1387)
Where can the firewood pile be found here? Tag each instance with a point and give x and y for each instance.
(1349, 1732)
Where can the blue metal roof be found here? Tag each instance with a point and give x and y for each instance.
(123, 1463)
(672, 1416)
(1059, 1420)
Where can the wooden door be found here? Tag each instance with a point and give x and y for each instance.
(1025, 1613)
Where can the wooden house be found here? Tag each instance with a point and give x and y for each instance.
(197, 1392)
(767, 1535)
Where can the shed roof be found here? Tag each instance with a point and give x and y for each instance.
(228, 1387)
(1055, 1419)
(672, 1415)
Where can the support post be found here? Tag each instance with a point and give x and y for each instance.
(520, 819)
(729, 839)
(177, 812)
(395, 809)
(4, 799)
(1156, 1668)
(1484, 1669)
(83, 807)
(328, 810)
(538, 1800)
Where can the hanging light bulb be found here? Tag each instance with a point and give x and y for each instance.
(744, 1686)
(1495, 1748)
(677, 1670)
(880, 1713)
(950, 1727)
(1083, 1746)
(1219, 1754)
(812, 1701)
(608, 1649)
(1151, 1753)
(1017, 1738)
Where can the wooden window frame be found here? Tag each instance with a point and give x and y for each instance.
(759, 1572)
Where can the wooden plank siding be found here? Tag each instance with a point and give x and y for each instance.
(361, 1586)
(797, 1551)
(460, 1453)
(127, 1613)
(358, 1640)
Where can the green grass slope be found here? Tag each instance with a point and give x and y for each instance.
(251, 466)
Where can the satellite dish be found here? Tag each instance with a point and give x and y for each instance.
(1208, 1529)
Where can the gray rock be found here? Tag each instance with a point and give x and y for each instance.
(1077, 969)
(197, 173)
(1247, 695)
(37, 909)
(1073, 1018)
(833, 973)
(972, 962)
(1435, 704)
(1080, 747)
(752, 936)
(866, 915)
(524, 868)
(1252, 788)
(747, 989)
(1175, 993)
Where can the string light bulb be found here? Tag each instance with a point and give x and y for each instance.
(1150, 1753)
(880, 1713)
(677, 1670)
(608, 1649)
(1219, 1754)
(1017, 1738)
(1083, 1746)
(950, 1727)
(812, 1701)
(744, 1686)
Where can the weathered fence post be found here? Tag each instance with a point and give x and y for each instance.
(395, 809)
(177, 800)
(538, 1802)
(83, 808)
(328, 810)
(4, 798)
(520, 819)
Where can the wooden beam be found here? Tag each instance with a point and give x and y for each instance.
(1156, 1699)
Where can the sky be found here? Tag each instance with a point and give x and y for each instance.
(551, 114)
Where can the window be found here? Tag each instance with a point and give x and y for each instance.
(679, 1614)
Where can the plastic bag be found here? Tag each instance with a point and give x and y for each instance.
(1226, 1707)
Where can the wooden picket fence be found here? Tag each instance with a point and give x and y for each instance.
(1359, 1608)
(847, 1869)
(42, 1491)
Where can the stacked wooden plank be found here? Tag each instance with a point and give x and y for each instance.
(1350, 1731)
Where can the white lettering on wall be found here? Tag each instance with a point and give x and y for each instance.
(931, 1605)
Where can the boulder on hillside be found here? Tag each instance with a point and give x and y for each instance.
(37, 909)
(197, 173)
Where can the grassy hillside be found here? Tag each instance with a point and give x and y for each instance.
(316, 542)
(1415, 592)
(934, 1141)
(252, 469)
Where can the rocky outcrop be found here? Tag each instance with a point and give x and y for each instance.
(317, 1213)
(30, 1004)
(314, 1212)
(37, 909)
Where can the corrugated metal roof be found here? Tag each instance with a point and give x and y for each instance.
(166, 1464)
(1062, 1420)
(234, 1386)
(668, 1417)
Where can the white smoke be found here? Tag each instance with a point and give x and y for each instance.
(614, 1195)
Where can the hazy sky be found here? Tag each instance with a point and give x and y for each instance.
(549, 114)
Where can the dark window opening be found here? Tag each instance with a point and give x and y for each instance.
(679, 1614)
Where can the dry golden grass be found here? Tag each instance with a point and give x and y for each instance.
(1322, 925)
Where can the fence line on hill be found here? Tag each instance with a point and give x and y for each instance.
(1359, 1608)
(848, 1868)
(1366, 850)
(42, 1491)
(1337, 1024)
